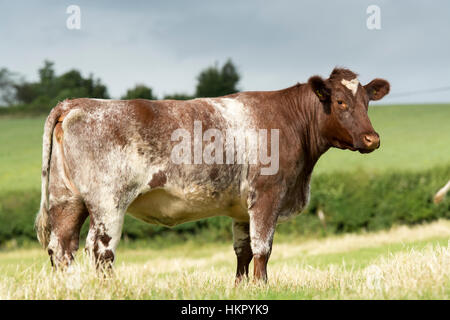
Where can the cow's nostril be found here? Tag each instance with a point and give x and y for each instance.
(372, 141)
(368, 139)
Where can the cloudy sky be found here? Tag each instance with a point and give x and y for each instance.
(275, 44)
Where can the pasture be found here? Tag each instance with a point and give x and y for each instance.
(402, 263)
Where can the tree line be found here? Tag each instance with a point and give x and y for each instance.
(17, 94)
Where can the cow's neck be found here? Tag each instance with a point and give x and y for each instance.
(306, 110)
(300, 111)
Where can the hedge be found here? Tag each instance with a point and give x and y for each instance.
(351, 202)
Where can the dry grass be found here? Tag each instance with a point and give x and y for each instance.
(412, 272)
(352, 241)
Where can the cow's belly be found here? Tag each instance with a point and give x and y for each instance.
(162, 207)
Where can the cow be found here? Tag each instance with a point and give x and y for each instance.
(440, 195)
(104, 158)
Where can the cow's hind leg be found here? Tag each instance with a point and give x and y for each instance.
(66, 209)
(242, 248)
(66, 219)
(104, 234)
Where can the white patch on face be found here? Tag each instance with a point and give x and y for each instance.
(352, 85)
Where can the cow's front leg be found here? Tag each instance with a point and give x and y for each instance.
(242, 248)
(104, 234)
(263, 219)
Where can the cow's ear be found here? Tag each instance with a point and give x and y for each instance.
(377, 89)
(320, 88)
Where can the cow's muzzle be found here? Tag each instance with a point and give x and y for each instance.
(370, 142)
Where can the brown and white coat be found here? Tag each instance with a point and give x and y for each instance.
(103, 158)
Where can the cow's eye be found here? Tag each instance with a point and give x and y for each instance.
(342, 104)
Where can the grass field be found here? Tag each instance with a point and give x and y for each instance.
(402, 263)
(412, 137)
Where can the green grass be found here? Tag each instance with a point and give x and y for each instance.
(412, 137)
(401, 263)
(20, 153)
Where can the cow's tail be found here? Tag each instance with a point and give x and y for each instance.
(41, 224)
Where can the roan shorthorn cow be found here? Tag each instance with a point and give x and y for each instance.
(164, 162)
(440, 195)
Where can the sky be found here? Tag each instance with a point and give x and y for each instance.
(274, 44)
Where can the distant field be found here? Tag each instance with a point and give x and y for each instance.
(20, 153)
(412, 137)
(402, 263)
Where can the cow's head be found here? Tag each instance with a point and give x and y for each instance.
(345, 124)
